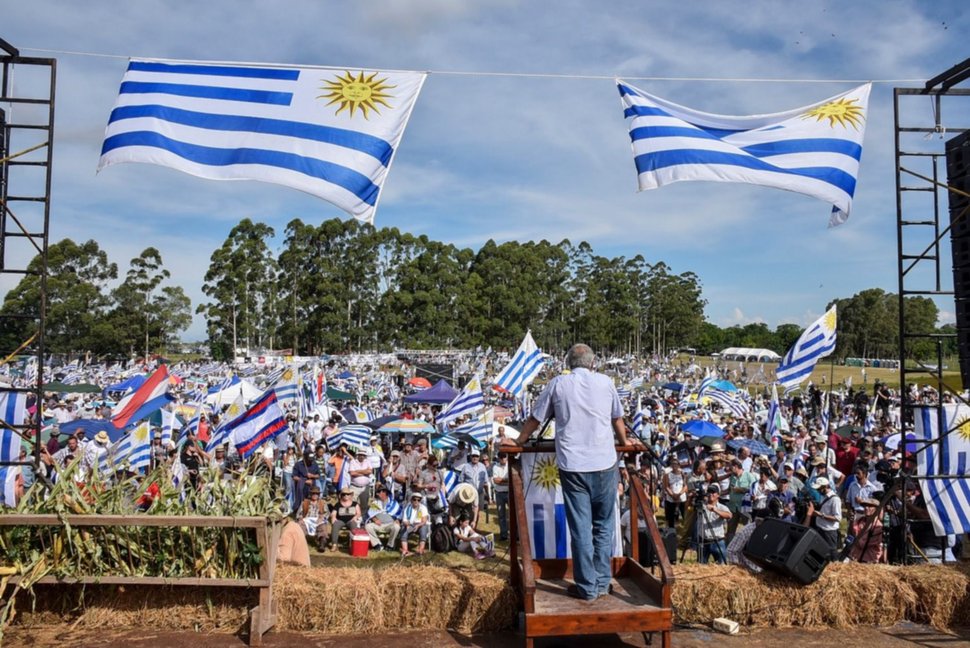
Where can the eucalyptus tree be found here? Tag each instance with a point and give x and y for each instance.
(239, 278)
(76, 298)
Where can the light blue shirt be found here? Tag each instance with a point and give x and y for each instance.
(585, 404)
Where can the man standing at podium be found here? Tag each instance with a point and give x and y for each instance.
(588, 414)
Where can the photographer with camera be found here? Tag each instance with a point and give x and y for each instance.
(712, 517)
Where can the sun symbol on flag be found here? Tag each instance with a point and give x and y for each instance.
(841, 111)
(359, 92)
(287, 374)
(545, 473)
(830, 320)
(963, 429)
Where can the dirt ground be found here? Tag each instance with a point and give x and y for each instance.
(904, 635)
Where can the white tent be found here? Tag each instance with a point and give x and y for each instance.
(750, 355)
(248, 390)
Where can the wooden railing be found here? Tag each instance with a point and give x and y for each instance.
(261, 618)
(641, 507)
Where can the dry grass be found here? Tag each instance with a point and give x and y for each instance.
(335, 600)
(846, 595)
(379, 597)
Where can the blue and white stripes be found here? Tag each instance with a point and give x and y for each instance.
(470, 400)
(813, 150)
(330, 133)
(522, 369)
(815, 342)
(947, 500)
(353, 435)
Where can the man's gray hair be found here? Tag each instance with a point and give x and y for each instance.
(580, 356)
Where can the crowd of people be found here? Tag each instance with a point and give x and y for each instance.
(834, 464)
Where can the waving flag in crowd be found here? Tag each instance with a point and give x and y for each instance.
(468, 401)
(146, 400)
(522, 369)
(331, 133)
(813, 150)
(773, 421)
(134, 448)
(815, 342)
(259, 424)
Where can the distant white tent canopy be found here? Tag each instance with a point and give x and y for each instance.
(750, 355)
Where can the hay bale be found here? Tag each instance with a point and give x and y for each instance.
(413, 597)
(337, 600)
(488, 604)
(941, 592)
(113, 606)
(846, 595)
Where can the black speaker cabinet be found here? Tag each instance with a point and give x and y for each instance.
(789, 548)
(958, 177)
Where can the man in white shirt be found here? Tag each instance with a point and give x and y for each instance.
(588, 414)
(500, 484)
(828, 514)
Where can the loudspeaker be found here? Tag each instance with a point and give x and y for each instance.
(958, 177)
(789, 548)
(648, 556)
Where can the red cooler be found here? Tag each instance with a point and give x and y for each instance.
(359, 543)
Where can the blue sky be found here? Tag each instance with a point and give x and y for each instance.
(496, 153)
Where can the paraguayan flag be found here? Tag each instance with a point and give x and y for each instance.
(545, 510)
(947, 500)
(814, 150)
(329, 132)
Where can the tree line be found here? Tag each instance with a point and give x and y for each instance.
(343, 286)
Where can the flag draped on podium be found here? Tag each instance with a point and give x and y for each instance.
(545, 510)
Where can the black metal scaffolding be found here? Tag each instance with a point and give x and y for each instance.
(26, 139)
(925, 119)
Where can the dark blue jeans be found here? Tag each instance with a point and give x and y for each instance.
(590, 499)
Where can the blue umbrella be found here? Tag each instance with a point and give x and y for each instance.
(673, 386)
(756, 447)
(724, 385)
(701, 428)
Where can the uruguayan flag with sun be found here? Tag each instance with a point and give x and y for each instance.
(329, 132)
(813, 150)
(948, 500)
(545, 511)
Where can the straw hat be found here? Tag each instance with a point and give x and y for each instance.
(101, 438)
(466, 494)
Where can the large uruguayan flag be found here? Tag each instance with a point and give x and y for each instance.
(948, 500)
(329, 132)
(523, 368)
(545, 511)
(815, 342)
(289, 385)
(468, 401)
(814, 150)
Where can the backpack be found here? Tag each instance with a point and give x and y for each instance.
(442, 539)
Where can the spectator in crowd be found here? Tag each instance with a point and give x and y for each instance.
(828, 514)
(415, 520)
(674, 486)
(344, 515)
(313, 517)
(470, 541)
(382, 517)
(500, 484)
(712, 518)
